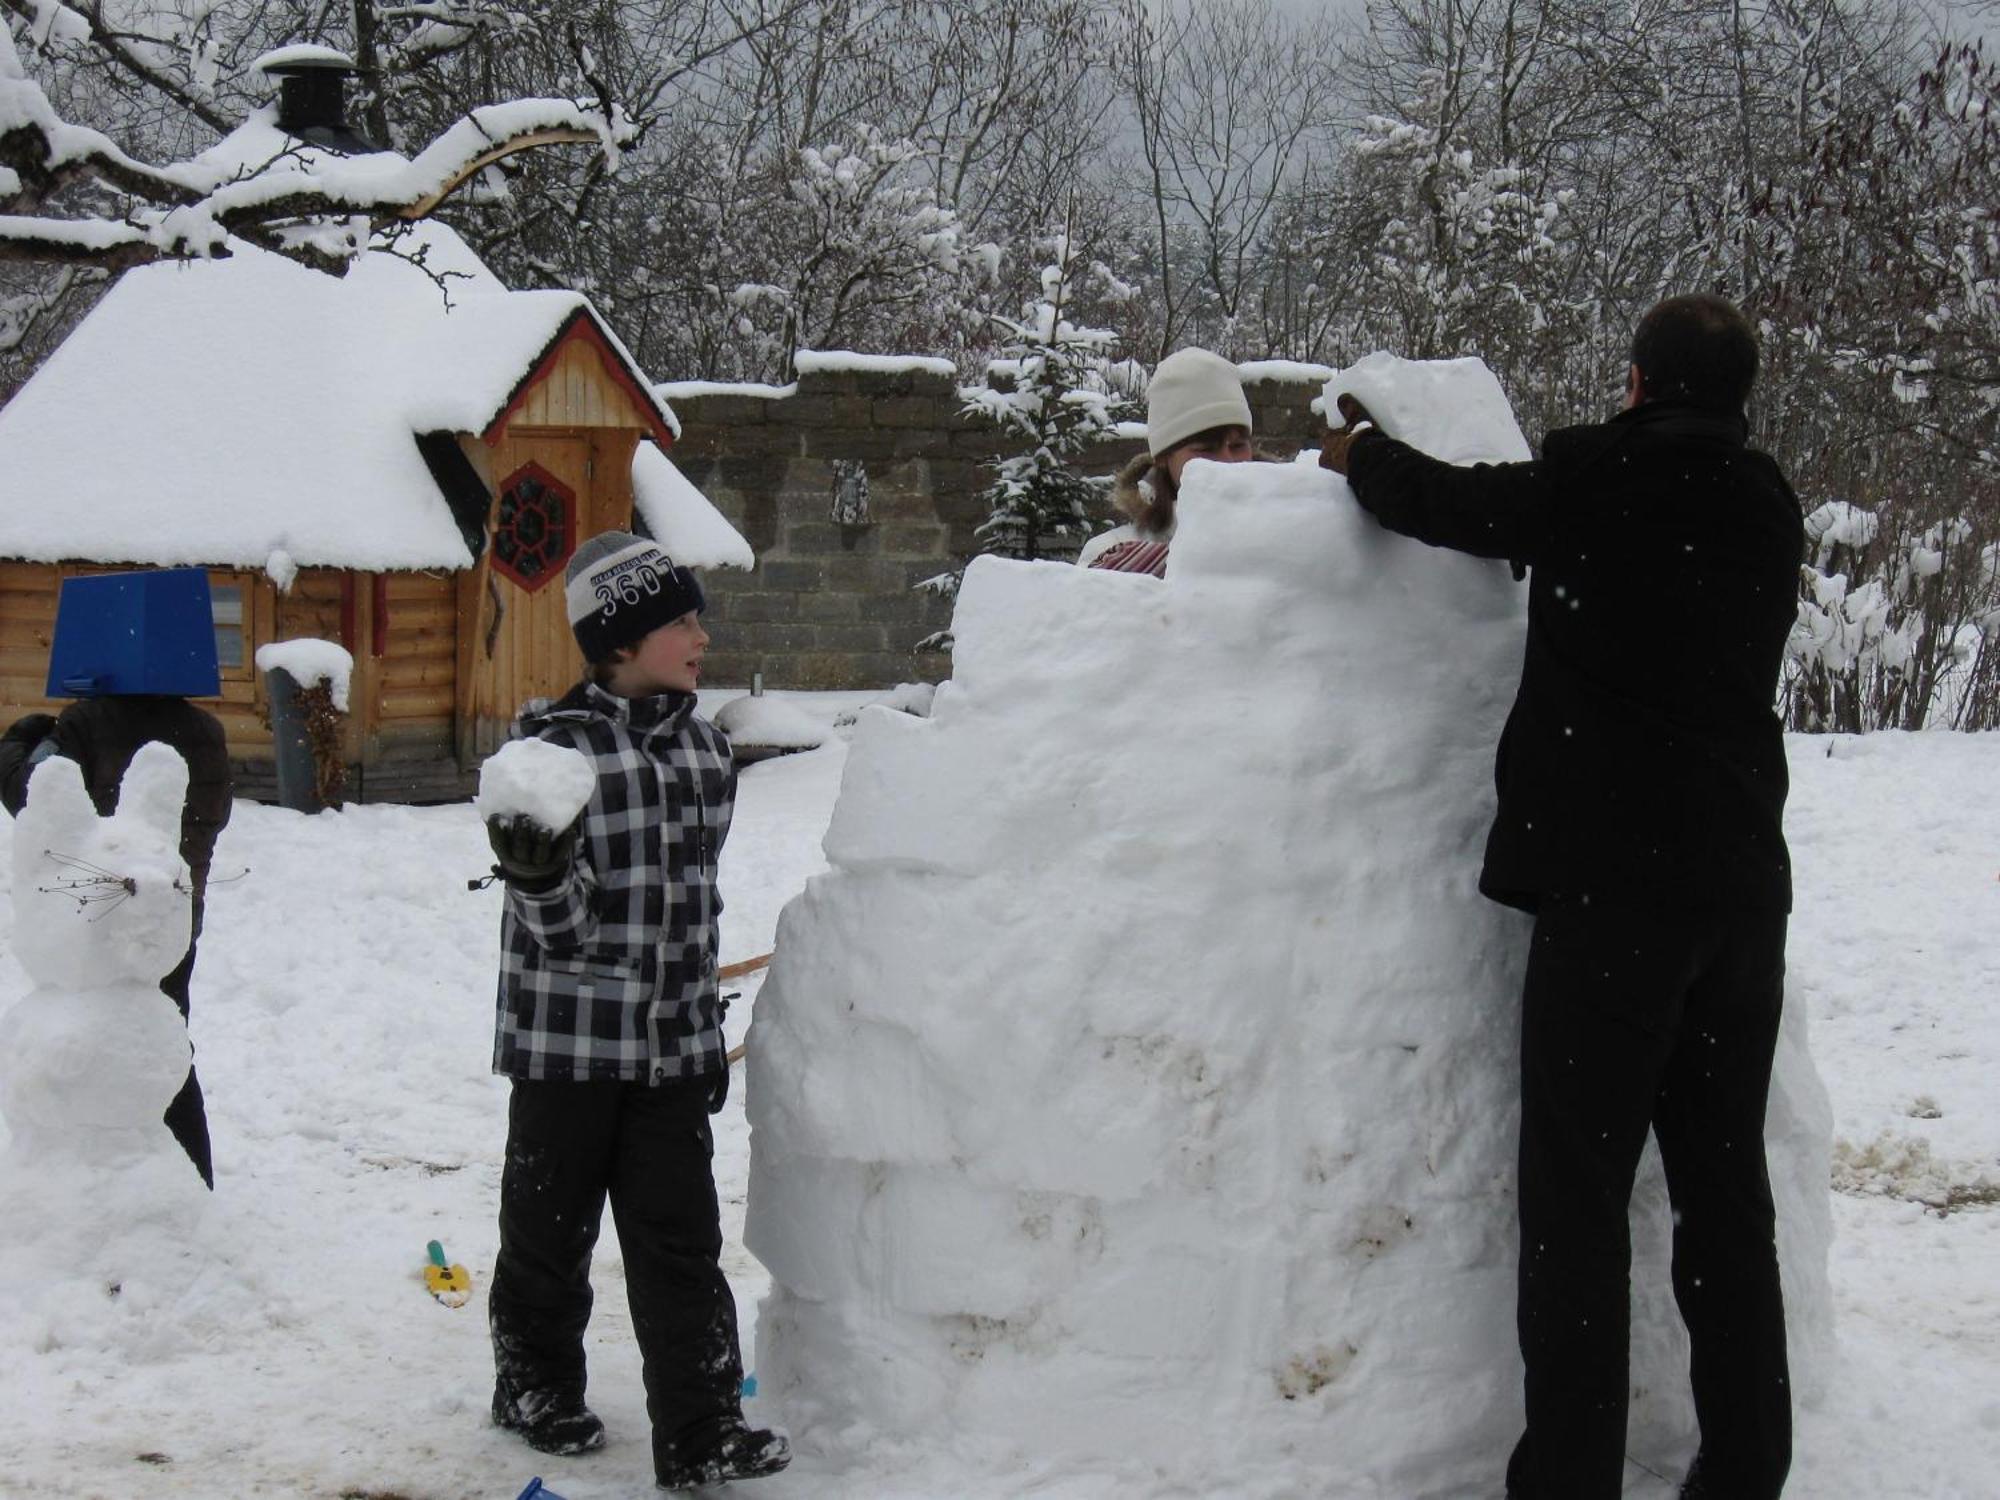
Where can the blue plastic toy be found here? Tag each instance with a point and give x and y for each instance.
(536, 1490)
(121, 633)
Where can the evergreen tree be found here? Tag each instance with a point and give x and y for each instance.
(1050, 393)
(1053, 394)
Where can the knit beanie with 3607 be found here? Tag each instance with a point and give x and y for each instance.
(620, 588)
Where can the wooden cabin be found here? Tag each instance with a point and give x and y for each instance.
(400, 460)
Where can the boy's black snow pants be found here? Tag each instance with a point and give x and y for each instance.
(650, 1149)
(1637, 1017)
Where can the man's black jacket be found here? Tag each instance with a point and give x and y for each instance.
(1643, 757)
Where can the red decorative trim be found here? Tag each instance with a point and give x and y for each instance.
(581, 327)
(350, 621)
(379, 620)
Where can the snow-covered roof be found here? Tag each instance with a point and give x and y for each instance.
(680, 517)
(211, 412)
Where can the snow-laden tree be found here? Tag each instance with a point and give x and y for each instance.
(1054, 398)
(1052, 395)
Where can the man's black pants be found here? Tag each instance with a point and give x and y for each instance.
(650, 1149)
(1635, 1017)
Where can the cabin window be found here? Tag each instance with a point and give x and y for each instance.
(226, 604)
(536, 529)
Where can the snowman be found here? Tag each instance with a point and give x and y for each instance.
(91, 1057)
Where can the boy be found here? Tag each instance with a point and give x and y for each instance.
(610, 1029)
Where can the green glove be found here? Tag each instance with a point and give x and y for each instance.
(531, 858)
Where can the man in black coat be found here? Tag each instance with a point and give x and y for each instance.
(1642, 785)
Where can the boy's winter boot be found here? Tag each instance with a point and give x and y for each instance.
(740, 1453)
(549, 1422)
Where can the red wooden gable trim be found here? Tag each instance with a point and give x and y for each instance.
(581, 326)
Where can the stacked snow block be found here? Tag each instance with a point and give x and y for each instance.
(1191, 1171)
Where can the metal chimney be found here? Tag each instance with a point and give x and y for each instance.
(312, 105)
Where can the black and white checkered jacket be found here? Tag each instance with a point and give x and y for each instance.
(611, 973)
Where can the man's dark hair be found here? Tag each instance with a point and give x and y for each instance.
(1697, 349)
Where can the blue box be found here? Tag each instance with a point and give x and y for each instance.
(123, 633)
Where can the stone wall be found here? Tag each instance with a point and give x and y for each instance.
(833, 602)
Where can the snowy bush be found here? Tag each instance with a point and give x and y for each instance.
(1898, 628)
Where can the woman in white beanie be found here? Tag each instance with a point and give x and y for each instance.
(1195, 408)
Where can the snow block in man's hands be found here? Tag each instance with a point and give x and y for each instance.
(126, 633)
(1452, 409)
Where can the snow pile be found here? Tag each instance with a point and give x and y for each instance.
(770, 722)
(310, 662)
(550, 784)
(101, 1201)
(1191, 1171)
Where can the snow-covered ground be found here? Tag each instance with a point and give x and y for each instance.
(343, 1020)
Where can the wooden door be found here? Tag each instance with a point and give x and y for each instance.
(522, 647)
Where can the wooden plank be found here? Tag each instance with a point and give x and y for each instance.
(417, 703)
(408, 621)
(28, 662)
(423, 643)
(27, 612)
(409, 590)
(402, 676)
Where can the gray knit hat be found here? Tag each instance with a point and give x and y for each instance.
(620, 588)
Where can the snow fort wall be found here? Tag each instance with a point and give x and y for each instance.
(854, 484)
(1135, 1098)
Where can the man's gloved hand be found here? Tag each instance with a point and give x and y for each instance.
(31, 729)
(1334, 451)
(531, 858)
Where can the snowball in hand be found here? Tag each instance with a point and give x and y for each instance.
(550, 784)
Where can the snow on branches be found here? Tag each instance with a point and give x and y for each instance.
(314, 206)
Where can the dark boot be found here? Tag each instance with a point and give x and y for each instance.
(549, 1422)
(740, 1453)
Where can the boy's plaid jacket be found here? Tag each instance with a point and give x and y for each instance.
(610, 974)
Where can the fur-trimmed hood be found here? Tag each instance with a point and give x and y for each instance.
(1151, 513)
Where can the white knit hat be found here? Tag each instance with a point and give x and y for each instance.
(1192, 392)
